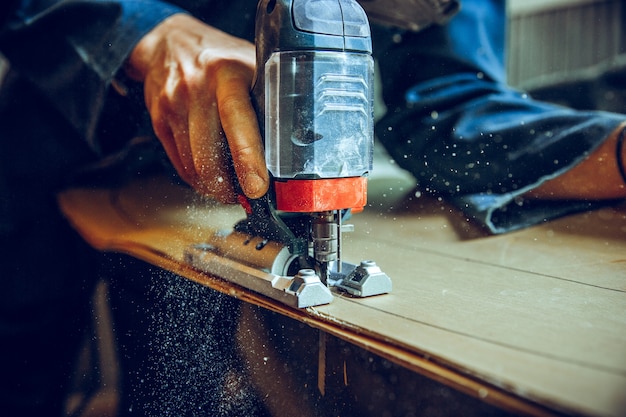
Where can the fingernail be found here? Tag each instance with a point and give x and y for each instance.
(254, 186)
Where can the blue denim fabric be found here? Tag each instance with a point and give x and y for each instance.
(453, 122)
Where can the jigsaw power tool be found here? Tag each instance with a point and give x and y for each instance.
(314, 97)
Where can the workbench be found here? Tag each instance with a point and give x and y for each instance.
(531, 322)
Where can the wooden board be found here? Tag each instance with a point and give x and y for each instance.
(533, 321)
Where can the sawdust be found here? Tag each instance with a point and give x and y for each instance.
(192, 368)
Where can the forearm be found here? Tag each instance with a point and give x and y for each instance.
(464, 134)
(72, 50)
(599, 176)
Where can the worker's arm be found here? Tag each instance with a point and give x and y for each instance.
(71, 51)
(197, 83)
(197, 80)
(596, 177)
(455, 124)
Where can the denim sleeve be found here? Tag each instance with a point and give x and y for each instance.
(455, 124)
(72, 50)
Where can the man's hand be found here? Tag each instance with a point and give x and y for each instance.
(197, 83)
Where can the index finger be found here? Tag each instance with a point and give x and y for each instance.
(241, 127)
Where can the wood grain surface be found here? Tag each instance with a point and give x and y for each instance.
(533, 321)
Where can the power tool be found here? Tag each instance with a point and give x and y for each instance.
(313, 93)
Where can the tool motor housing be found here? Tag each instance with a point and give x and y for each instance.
(314, 90)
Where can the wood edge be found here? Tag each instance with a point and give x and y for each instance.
(431, 368)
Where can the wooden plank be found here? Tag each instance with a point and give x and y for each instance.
(509, 340)
(533, 321)
(593, 240)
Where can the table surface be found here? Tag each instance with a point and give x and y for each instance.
(534, 321)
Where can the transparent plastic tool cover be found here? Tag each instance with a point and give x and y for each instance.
(319, 114)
